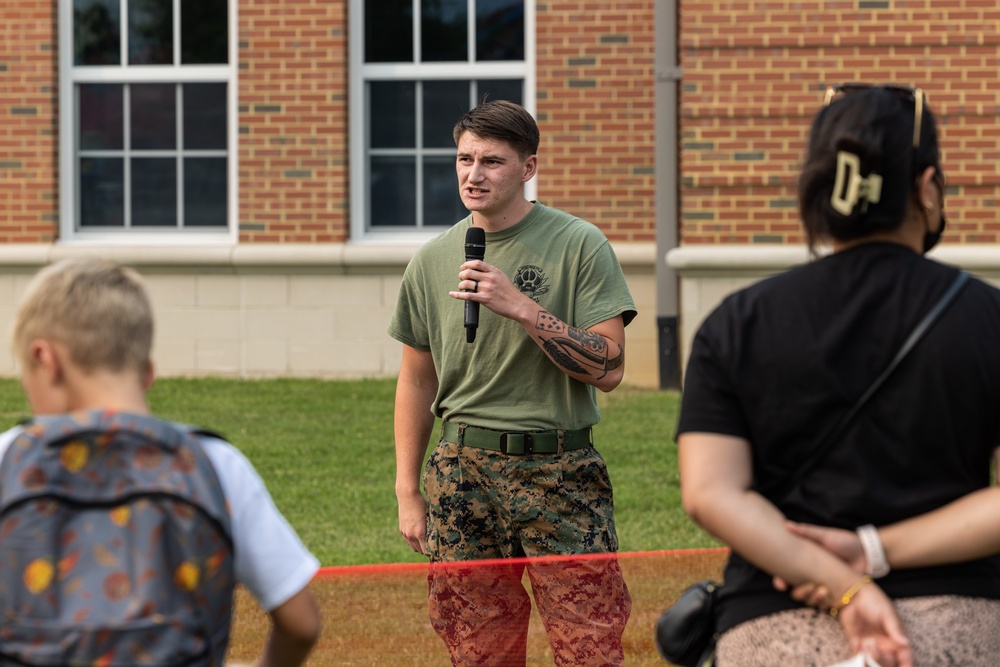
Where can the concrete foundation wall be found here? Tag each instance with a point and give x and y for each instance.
(709, 273)
(286, 310)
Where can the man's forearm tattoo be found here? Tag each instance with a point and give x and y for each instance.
(577, 350)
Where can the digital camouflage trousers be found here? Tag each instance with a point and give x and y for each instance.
(554, 515)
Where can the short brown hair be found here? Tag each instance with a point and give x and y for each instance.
(501, 120)
(98, 310)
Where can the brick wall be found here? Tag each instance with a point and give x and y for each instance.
(595, 112)
(293, 168)
(754, 73)
(292, 121)
(29, 202)
(595, 107)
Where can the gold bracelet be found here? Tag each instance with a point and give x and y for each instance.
(846, 598)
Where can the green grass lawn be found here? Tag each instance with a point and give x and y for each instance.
(325, 450)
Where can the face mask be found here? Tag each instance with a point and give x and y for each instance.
(931, 239)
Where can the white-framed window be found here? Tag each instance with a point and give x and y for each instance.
(148, 131)
(416, 67)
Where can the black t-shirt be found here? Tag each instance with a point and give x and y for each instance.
(779, 363)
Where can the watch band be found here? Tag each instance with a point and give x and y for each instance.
(877, 565)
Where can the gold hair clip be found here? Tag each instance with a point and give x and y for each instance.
(850, 187)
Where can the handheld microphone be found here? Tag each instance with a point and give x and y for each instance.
(475, 248)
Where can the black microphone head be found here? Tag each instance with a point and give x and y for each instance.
(475, 243)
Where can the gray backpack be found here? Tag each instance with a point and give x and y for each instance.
(115, 545)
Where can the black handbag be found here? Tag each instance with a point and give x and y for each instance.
(685, 632)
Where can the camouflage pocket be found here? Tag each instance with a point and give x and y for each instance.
(466, 489)
(577, 515)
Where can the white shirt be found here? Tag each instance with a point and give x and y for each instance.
(269, 558)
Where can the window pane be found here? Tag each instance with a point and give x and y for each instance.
(101, 116)
(205, 193)
(442, 203)
(97, 29)
(500, 89)
(204, 32)
(102, 192)
(393, 108)
(499, 29)
(388, 31)
(154, 192)
(150, 32)
(204, 116)
(393, 192)
(444, 103)
(444, 30)
(154, 116)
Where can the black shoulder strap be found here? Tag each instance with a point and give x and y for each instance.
(202, 431)
(827, 443)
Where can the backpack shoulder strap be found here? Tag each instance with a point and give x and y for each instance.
(202, 431)
(101, 456)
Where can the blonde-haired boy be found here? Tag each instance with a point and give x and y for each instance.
(83, 336)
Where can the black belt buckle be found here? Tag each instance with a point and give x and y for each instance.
(527, 439)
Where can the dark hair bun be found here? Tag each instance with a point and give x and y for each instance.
(875, 126)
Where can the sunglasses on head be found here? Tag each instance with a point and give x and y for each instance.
(916, 95)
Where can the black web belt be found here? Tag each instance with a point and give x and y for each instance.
(517, 443)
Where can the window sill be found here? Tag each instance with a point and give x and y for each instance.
(331, 256)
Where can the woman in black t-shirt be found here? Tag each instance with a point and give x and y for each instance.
(778, 364)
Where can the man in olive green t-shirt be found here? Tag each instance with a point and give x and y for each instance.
(515, 472)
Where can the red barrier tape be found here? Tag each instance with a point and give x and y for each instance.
(376, 615)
